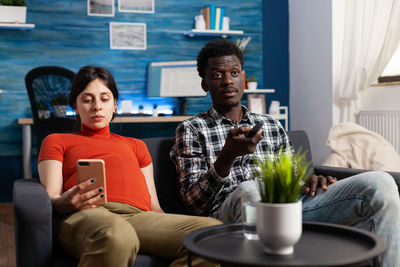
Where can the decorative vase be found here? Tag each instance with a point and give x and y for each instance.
(252, 85)
(60, 111)
(13, 14)
(279, 226)
(155, 113)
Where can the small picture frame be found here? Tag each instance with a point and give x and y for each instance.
(128, 36)
(102, 8)
(136, 6)
(256, 103)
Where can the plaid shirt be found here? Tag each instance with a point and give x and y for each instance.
(198, 142)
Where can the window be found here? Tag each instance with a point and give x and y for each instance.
(392, 71)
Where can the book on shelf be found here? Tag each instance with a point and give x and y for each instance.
(221, 19)
(217, 17)
(206, 14)
(212, 16)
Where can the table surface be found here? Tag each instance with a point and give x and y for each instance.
(321, 244)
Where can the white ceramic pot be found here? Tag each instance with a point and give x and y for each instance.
(252, 85)
(279, 226)
(60, 111)
(13, 14)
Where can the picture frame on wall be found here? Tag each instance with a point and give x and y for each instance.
(102, 8)
(136, 6)
(256, 103)
(128, 36)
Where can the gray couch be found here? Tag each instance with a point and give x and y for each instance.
(33, 210)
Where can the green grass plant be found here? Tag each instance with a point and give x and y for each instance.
(252, 79)
(282, 176)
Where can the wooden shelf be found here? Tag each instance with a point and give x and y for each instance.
(259, 91)
(224, 34)
(282, 115)
(17, 26)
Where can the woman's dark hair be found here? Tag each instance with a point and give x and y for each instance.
(217, 48)
(88, 74)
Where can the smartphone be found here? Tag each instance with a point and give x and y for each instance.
(254, 130)
(93, 169)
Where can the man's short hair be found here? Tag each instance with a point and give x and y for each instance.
(217, 48)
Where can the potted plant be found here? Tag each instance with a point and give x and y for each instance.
(279, 213)
(252, 83)
(42, 110)
(12, 11)
(140, 109)
(60, 105)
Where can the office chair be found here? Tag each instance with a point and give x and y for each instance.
(48, 90)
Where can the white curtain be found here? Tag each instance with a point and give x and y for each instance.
(366, 33)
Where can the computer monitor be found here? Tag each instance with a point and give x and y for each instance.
(174, 79)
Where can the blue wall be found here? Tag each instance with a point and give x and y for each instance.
(276, 49)
(66, 36)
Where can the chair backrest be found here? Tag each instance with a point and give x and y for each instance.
(48, 89)
(166, 177)
(299, 140)
(47, 84)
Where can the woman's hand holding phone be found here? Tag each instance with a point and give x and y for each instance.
(90, 192)
(79, 198)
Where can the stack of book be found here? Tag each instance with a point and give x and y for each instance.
(213, 17)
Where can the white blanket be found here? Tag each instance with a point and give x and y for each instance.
(353, 146)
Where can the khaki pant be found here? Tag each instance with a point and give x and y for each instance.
(112, 235)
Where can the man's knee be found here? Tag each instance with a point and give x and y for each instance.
(381, 181)
(381, 190)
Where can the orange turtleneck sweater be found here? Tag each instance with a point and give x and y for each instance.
(123, 157)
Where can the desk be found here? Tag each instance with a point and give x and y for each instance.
(321, 244)
(27, 134)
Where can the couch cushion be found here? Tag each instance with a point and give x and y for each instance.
(165, 176)
(299, 140)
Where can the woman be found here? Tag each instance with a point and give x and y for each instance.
(132, 219)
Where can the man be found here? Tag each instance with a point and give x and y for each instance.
(215, 163)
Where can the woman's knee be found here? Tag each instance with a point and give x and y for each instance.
(121, 236)
(113, 235)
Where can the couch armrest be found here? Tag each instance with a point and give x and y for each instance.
(33, 223)
(341, 173)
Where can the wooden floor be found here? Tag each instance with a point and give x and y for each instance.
(7, 250)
